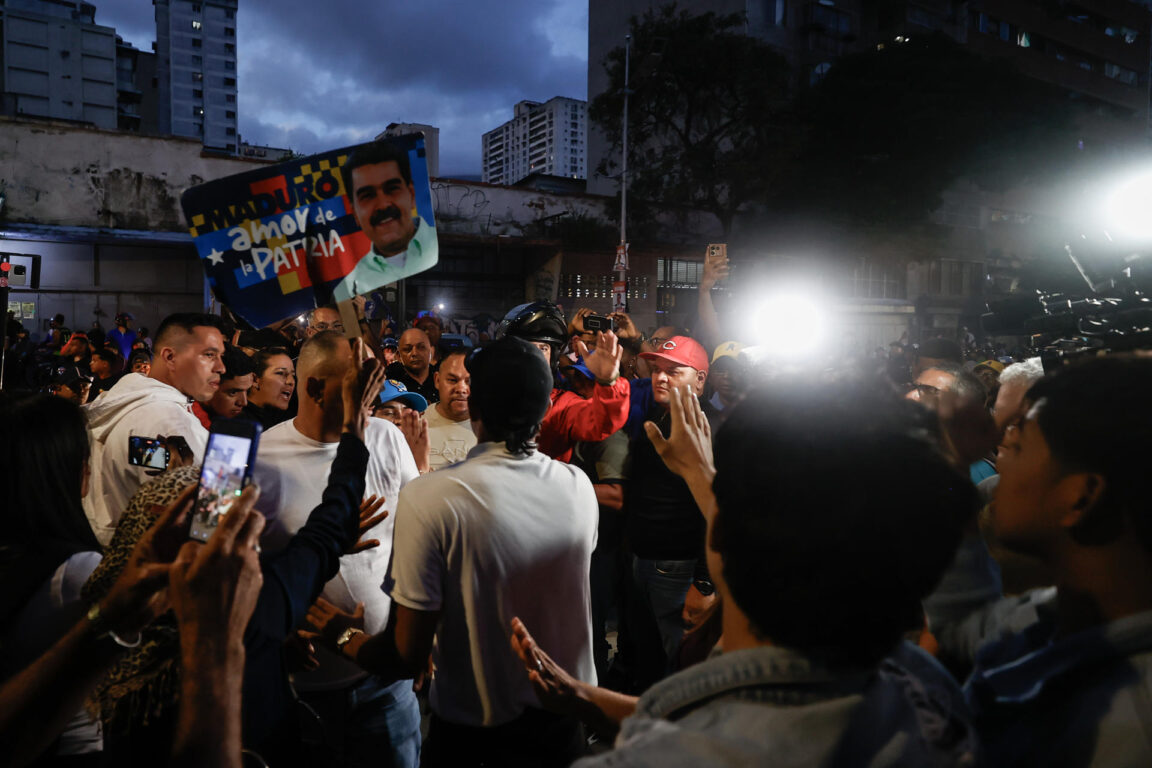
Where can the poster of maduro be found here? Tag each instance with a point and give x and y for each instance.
(280, 240)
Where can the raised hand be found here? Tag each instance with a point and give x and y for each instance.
(214, 586)
(625, 328)
(715, 269)
(576, 324)
(687, 450)
(604, 363)
(370, 515)
(361, 385)
(415, 429)
(137, 597)
(556, 689)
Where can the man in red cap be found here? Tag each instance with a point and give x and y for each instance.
(665, 528)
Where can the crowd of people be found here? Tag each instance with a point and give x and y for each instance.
(573, 546)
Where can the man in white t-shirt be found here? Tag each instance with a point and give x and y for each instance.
(364, 716)
(507, 532)
(450, 434)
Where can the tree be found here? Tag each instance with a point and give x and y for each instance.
(710, 119)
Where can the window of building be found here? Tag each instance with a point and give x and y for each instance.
(195, 7)
(197, 61)
(197, 76)
(230, 115)
(1005, 31)
(230, 98)
(197, 111)
(196, 42)
(230, 47)
(229, 81)
(778, 12)
(1024, 40)
(229, 64)
(229, 32)
(229, 131)
(198, 94)
(229, 14)
(197, 24)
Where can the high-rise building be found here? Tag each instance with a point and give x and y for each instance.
(431, 141)
(57, 62)
(1095, 49)
(135, 89)
(549, 138)
(196, 70)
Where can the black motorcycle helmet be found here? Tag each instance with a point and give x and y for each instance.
(536, 321)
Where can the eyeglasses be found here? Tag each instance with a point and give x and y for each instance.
(925, 390)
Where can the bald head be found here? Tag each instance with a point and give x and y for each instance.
(415, 350)
(325, 354)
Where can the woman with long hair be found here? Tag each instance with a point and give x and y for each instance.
(47, 547)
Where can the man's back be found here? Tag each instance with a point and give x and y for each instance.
(496, 536)
(773, 705)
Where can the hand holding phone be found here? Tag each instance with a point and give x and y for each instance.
(715, 265)
(148, 452)
(593, 323)
(227, 469)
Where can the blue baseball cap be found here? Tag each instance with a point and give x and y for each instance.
(578, 365)
(394, 390)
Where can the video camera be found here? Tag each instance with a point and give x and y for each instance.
(1114, 313)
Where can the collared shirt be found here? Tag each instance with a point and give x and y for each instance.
(1038, 698)
(774, 706)
(375, 269)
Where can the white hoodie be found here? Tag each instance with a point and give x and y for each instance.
(136, 405)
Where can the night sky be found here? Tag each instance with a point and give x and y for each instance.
(316, 76)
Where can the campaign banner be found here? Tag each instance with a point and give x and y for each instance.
(282, 239)
(621, 264)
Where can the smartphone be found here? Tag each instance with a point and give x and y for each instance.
(597, 323)
(228, 464)
(147, 452)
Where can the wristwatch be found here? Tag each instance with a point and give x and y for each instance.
(346, 636)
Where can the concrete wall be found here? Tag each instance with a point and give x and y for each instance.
(65, 175)
(66, 186)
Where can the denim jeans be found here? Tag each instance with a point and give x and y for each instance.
(663, 586)
(370, 724)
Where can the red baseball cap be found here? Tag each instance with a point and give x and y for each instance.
(680, 350)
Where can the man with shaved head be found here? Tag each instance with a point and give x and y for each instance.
(187, 367)
(363, 716)
(414, 369)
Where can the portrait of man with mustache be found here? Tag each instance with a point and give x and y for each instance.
(378, 181)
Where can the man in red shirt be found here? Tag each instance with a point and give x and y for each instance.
(572, 419)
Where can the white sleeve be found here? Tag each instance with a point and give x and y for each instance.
(416, 575)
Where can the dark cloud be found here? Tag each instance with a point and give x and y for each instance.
(314, 79)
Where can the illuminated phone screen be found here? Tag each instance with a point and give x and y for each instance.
(222, 478)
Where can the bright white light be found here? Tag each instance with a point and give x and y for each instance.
(1128, 208)
(792, 323)
(440, 307)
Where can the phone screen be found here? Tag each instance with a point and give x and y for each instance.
(227, 468)
(147, 452)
